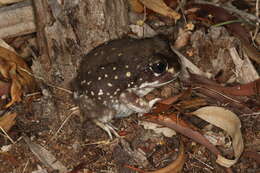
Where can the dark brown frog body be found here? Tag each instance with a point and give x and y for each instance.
(113, 78)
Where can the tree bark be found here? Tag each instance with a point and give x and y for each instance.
(66, 30)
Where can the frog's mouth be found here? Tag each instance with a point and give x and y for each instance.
(159, 81)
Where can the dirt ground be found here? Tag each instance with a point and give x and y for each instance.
(50, 135)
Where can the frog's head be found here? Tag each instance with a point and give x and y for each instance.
(158, 70)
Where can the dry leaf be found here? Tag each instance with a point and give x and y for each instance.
(176, 98)
(5, 2)
(14, 69)
(160, 7)
(7, 121)
(184, 128)
(167, 132)
(45, 156)
(227, 121)
(245, 70)
(136, 6)
(188, 65)
(143, 31)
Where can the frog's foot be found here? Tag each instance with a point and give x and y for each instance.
(107, 127)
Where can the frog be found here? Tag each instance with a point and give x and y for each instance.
(114, 77)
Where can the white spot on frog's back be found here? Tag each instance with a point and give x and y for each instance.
(114, 68)
(115, 77)
(83, 82)
(106, 75)
(99, 78)
(89, 82)
(109, 84)
(92, 93)
(126, 66)
(100, 92)
(128, 74)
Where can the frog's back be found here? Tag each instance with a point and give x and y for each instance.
(122, 50)
(116, 65)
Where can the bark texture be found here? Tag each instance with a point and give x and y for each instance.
(66, 30)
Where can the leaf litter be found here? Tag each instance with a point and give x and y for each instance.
(222, 82)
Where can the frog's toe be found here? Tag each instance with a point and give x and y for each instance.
(153, 101)
(108, 128)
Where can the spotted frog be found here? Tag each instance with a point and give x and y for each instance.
(113, 78)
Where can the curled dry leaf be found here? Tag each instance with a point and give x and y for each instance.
(7, 121)
(227, 121)
(14, 69)
(176, 165)
(160, 7)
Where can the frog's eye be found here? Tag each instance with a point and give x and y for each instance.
(159, 67)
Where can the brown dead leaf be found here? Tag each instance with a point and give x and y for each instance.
(136, 6)
(227, 121)
(225, 95)
(185, 129)
(14, 69)
(191, 103)
(160, 7)
(249, 89)
(22, 68)
(176, 98)
(7, 121)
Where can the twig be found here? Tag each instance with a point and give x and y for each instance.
(7, 135)
(254, 113)
(63, 123)
(257, 23)
(51, 85)
(26, 164)
(207, 165)
(182, 3)
(221, 94)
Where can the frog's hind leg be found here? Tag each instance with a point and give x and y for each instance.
(107, 127)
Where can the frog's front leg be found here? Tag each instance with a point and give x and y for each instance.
(100, 114)
(136, 103)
